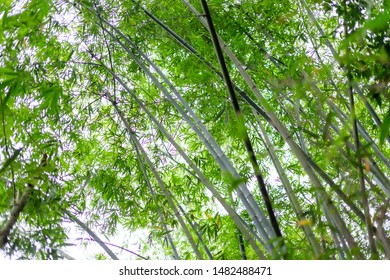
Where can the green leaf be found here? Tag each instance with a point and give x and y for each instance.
(385, 128)
(68, 56)
(7, 74)
(379, 23)
(50, 94)
(4, 101)
(9, 161)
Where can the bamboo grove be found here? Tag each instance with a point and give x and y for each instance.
(196, 129)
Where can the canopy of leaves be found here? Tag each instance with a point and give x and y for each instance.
(115, 118)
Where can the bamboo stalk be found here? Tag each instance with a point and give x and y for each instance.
(242, 131)
(91, 233)
(363, 192)
(194, 227)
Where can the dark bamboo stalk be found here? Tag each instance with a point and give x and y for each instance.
(242, 246)
(241, 124)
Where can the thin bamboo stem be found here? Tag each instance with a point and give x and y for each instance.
(91, 233)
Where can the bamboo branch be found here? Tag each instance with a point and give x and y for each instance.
(65, 255)
(120, 247)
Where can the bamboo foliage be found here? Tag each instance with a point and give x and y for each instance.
(128, 103)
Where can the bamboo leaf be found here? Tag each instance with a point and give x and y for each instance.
(385, 128)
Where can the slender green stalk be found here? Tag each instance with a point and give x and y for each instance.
(146, 177)
(194, 227)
